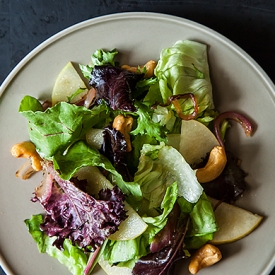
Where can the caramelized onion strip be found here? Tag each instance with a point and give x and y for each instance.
(174, 99)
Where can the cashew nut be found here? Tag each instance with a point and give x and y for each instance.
(150, 67)
(214, 166)
(27, 149)
(206, 256)
(124, 124)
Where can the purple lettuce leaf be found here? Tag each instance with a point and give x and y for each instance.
(114, 145)
(74, 214)
(114, 85)
(164, 237)
(167, 252)
(230, 185)
(114, 148)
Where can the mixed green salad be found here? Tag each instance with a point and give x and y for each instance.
(136, 115)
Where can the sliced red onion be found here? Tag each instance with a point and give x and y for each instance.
(44, 190)
(25, 171)
(91, 261)
(46, 104)
(90, 96)
(243, 121)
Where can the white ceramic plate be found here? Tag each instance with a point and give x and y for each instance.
(239, 84)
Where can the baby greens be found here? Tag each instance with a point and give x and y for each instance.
(163, 189)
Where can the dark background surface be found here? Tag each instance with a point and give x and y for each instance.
(24, 24)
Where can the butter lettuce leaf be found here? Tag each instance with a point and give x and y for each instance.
(183, 68)
(160, 166)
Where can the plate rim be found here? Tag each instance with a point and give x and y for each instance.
(123, 15)
(130, 15)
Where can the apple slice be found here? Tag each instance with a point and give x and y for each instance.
(94, 137)
(130, 228)
(196, 141)
(114, 270)
(67, 83)
(133, 226)
(234, 223)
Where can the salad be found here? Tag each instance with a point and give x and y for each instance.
(131, 159)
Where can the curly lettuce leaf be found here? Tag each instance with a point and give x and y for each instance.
(98, 58)
(143, 86)
(165, 117)
(145, 124)
(78, 216)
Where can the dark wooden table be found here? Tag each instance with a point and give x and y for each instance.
(25, 23)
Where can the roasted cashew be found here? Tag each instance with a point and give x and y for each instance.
(214, 166)
(124, 124)
(150, 67)
(27, 149)
(206, 256)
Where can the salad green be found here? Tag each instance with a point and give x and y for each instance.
(160, 185)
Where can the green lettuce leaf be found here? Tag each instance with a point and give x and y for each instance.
(155, 224)
(143, 86)
(145, 124)
(164, 116)
(98, 58)
(134, 155)
(159, 167)
(203, 218)
(72, 257)
(59, 126)
(183, 68)
(80, 154)
(203, 223)
(29, 103)
(127, 252)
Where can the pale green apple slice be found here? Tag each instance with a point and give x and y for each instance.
(67, 83)
(113, 270)
(196, 141)
(130, 228)
(234, 222)
(94, 137)
(133, 226)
